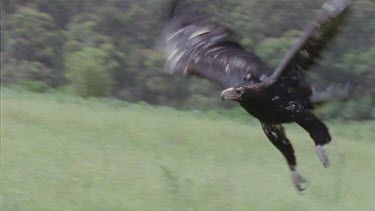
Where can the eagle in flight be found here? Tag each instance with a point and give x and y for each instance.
(194, 44)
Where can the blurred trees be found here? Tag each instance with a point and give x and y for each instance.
(89, 72)
(33, 47)
(109, 48)
(272, 49)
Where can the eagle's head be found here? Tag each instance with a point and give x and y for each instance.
(233, 93)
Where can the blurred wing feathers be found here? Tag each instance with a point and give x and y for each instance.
(312, 40)
(193, 44)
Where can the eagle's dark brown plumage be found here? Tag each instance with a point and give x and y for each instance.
(194, 44)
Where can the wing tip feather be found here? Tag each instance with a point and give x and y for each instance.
(335, 7)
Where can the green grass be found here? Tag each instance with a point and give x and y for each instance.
(66, 153)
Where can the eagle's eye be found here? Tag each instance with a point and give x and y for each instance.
(238, 91)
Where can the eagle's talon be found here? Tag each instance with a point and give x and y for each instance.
(298, 181)
(322, 155)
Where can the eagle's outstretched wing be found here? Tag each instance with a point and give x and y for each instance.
(306, 49)
(194, 44)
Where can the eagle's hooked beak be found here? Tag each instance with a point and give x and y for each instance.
(231, 94)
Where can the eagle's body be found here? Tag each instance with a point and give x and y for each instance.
(196, 45)
(272, 105)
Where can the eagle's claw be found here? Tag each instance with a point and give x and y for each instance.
(322, 155)
(299, 182)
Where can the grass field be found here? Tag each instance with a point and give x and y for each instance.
(65, 153)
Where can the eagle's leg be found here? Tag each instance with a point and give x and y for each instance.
(276, 134)
(317, 129)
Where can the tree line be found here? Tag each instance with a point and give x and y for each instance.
(108, 48)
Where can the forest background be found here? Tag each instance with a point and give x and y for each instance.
(108, 48)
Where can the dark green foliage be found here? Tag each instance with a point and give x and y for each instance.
(273, 49)
(109, 48)
(359, 108)
(34, 86)
(21, 70)
(88, 72)
(32, 36)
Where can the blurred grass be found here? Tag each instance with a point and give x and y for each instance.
(65, 153)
